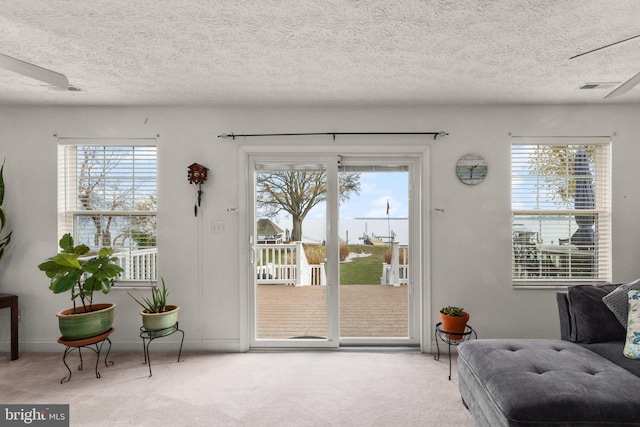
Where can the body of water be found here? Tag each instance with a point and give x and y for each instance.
(352, 230)
(548, 229)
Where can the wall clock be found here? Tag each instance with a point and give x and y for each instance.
(471, 169)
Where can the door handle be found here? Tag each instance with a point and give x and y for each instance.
(252, 251)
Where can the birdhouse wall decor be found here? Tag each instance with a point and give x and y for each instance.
(197, 174)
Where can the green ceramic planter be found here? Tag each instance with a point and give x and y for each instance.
(86, 325)
(158, 321)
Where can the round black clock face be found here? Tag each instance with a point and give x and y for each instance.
(471, 169)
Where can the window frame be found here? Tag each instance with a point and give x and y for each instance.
(141, 265)
(596, 269)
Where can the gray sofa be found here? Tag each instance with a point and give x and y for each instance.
(581, 380)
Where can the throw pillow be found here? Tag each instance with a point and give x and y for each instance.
(618, 301)
(591, 320)
(632, 345)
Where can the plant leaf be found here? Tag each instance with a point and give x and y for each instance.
(2, 185)
(66, 241)
(105, 252)
(52, 268)
(4, 242)
(64, 282)
(66, 260)
(112, 270)
(81, 250)
(106, 285)
(136, 300)
(91, 284)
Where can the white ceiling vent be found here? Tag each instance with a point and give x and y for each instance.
(601, 85)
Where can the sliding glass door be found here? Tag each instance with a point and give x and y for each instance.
(374, 254)
(330, 251)
(292, 244)
(377, 273)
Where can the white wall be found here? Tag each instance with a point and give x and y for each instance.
(201, 268)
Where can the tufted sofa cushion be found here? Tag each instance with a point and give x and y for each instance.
(591, 319)
(545, 382)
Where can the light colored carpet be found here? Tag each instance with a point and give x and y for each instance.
(306, 388)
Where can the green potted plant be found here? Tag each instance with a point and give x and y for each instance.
(454, 320)
(74, 270)
(157, 316)
(4, 241)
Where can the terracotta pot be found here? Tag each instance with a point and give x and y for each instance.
(85, 324)
(160, 322)
(455, 325)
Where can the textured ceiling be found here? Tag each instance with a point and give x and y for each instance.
(330, 52)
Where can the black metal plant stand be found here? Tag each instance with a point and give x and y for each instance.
(149, 335)
(452, 338)
(97, 342)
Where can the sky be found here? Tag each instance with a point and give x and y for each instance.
(376, 188)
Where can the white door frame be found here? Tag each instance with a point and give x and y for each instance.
(420, 224)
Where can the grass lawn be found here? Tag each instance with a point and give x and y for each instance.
(359, 271)
(365, 270)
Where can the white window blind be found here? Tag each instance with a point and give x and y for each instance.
(561, 207)
(108, 197)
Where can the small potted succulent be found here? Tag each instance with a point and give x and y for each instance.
(157, 316)
(73, 269)
(454, 321)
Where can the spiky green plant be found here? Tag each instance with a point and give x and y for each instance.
(158, 301)
(4, 241)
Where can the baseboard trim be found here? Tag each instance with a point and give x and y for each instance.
(159, 344)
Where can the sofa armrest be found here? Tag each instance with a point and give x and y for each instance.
(565, 316)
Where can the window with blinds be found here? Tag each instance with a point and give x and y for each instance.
(561, 210)
(108, 197)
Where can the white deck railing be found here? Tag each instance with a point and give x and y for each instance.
(397, 272)
(318, 274)
(275, 264)
(138, 264)
(287, 264)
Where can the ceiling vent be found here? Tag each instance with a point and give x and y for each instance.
(605, 85)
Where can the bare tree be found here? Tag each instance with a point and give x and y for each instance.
(555, 165)
(96, 192)
(297, 192)
(141, 229)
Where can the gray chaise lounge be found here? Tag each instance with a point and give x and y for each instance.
(534, 382)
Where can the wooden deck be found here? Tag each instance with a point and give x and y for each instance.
(365, 311)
